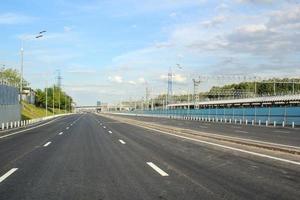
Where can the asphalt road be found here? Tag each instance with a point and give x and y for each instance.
(97, 158)
(278, 135)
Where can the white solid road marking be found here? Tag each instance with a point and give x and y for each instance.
(157, 169)
(60, 133)
(281, 131)
(7, 174)
(239, 131)
(110, 132)
(228, 147)
(122, 141)
(47, 144)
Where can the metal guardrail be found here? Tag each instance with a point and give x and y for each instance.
(24, 123)
(271, 116)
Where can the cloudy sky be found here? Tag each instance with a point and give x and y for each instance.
(111, 50)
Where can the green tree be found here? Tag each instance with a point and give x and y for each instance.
(12, 76)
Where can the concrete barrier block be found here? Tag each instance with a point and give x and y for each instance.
(259, 122)
(293, 124)
(252, 122)
(274, 124)
(267, 123)
(246, 122)
(2, 126)
(283, 124)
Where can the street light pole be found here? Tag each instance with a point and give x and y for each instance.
(46, 98)
(22, 65)
(53, 99)
(40, 34)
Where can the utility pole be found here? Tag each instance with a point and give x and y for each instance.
(65, 103)
(22, 65)
(170, 87)
(196, 94)
(53, 99)
(59, 78)
(46, 98)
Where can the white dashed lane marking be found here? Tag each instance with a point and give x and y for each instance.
(7, 174)
(122, 142)
(47, 144)
(157, 169)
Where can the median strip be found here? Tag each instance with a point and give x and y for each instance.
(157, 169)
(7, 174)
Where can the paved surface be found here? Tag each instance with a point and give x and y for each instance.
(98, 158)
(285, 136)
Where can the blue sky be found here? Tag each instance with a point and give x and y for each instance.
(110, 50)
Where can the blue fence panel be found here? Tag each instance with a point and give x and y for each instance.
(278, 114)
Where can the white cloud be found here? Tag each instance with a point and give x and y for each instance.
(116, 79)
(214, 22)
(141, 80)
(14, 18)
(177, 78)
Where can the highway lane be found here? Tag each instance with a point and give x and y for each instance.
(285, 136)
(17, 146)
(122, 161)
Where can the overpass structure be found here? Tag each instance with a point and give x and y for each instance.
(89, 108)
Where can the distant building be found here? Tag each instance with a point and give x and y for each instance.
(28, 95)
(98, 103)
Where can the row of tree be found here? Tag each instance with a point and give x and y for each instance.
(239, 90)
(54, 95)
(12, 76)
(261, 88)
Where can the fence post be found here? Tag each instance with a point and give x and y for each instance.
(2, 126)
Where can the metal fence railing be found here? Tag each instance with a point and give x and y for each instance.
(285, 116)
